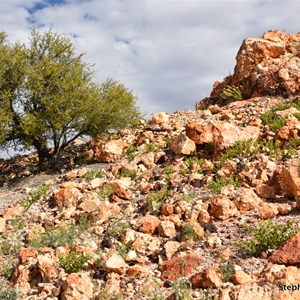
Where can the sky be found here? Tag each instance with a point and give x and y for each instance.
(168, 52)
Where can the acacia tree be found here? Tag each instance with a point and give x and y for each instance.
(48, 97)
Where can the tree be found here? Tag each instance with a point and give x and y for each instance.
(48, 98)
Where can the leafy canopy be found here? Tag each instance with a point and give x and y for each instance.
(48, 97)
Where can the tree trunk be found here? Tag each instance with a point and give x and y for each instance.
(44, 155)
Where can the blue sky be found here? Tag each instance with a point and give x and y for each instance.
(169, 52)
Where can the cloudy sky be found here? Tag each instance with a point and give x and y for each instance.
(169, 52)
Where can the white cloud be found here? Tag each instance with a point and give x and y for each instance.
(169, 52)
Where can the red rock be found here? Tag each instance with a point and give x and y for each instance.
(167, 229)
(160, 121)
(112, 284)
(107, 210)
(289, 253)
(246, 199)
(48, 268)
(284, 208)
(115, 263)
(181, 144)
(121, 189)
(177, 267)
(265, 191)
(210, 277)
(267, 210)
(77, 287)
(148, 224)
(240, 277)
(167, 209)
(170, 248)
(290, 182)
(26, 254)
(199, 133)
(226, 135)
(145, 243)
(67, 195)
(90, 204)
(109, 151)
(222, 208)
(137, 271)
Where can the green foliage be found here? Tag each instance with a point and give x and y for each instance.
(227, 270)
(274, 122)
(93, 173)
(9, 293)
(267, 235)
(105, 294)
(128, 173)
(131, 152)
(220, 182)
(73, 261)
(240, 148)
(117, 226)
(152, 147)
(156, 199)
(34, 197)
(232, 93)
(193, 164)
(48, 97)
(206, 294)
(188, 233)
(297, 116)
(105, 192)
(182, 290)
(58, 237)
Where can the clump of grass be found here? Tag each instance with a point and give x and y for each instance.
(220, 182)
(188, 233)
(193, 164)
(73, 261)
(93, 173)
(128, 173)
(35, 196)
(182, 290)
(58, 237)
(267, 235)
(9, 293)
(152, 147)
(131, 152)
(232, 93)
(240, 148)
(274, 122)
(207, 294)
(117, 226)
(227, 270)
(156, 199)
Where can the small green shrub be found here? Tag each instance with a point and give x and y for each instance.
(206, 294)
(232, 93)
(227, 270)
(193, 164)
(34, 197)
(131, 152)
(220, 182)
(182, 290)
(117, 226)
(59, 237)
(93, 173)
(188, 233)
(73, 261)
(156, 199)
(128, 173)
(274, 122)
(9, 293)
(240, 148)
(152, 147)
(105, 192)
(267, 235)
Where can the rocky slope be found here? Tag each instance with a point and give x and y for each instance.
(163, 213)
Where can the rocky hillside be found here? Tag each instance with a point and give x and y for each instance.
(190, 205)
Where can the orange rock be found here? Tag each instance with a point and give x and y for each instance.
(267, 210)
(27, 254)
(177, 267)
(289, 253)
(265, 191)
(148, 224)
(167, 229)
(246, 199)
(67, 195)
(137, 271)
(115, 263)
(77, 287)
(48, 268)
(199, 133)
(109, 151)
(121, 189)
(181, 144)
(210, 277)
(222, 208)
(240, 277)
